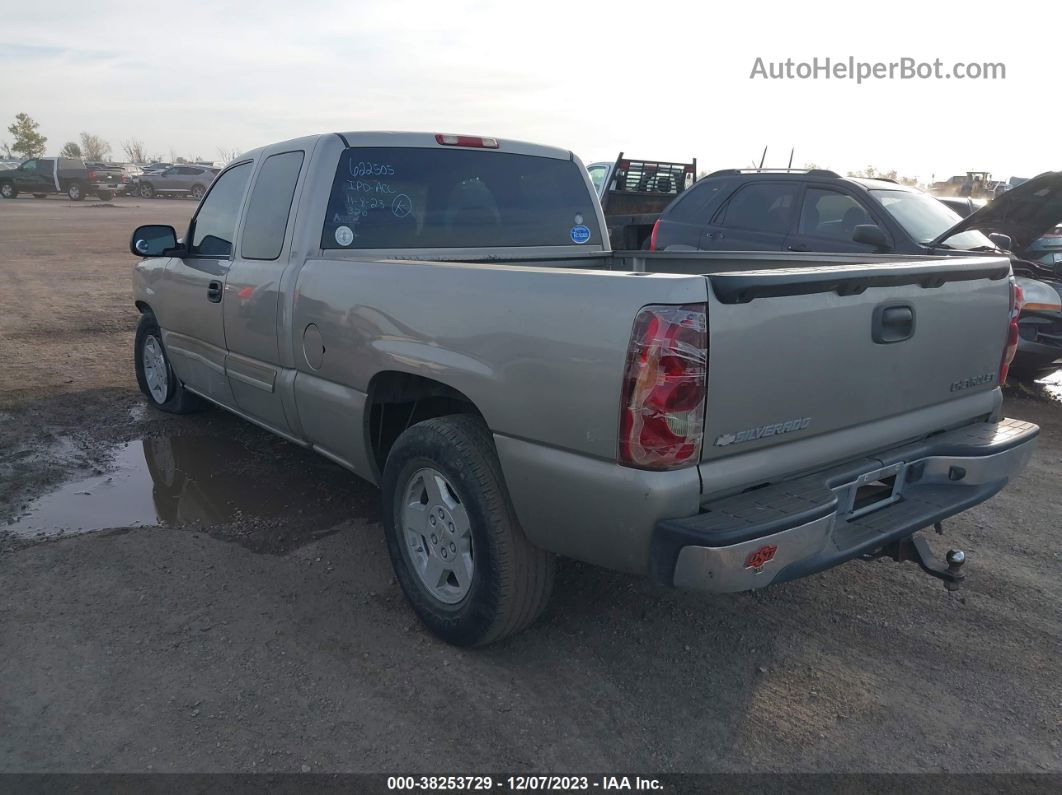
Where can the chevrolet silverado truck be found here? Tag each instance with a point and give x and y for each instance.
(442, 315)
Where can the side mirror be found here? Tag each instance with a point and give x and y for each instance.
(1002, 241)
(153, 240)
(871, 235)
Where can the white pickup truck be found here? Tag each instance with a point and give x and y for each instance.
(442, 315)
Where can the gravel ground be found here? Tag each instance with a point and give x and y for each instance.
(260, 628)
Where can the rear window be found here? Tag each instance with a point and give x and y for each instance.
(454, 198)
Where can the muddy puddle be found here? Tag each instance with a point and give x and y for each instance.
(274, 498)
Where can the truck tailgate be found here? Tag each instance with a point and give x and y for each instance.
(800, 352)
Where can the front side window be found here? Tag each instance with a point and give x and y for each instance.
(214, 225)
(29, 165)
(829, 213)
(409, 198)
(762, 207)
(270, 206)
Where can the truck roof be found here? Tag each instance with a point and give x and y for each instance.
(385, 138)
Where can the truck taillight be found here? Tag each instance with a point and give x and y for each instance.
(91, 175)
(1016, 300)
(664, 386)
(652, 237)
(475, 141)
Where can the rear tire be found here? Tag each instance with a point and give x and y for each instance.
(154, 373)
(147, 192)
(198, 191)
(104, 195)
(8, 190)
(507, 580)
(76, 192)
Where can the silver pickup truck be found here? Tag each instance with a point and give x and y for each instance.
(442, 316)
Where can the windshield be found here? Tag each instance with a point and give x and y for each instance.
(926, 219)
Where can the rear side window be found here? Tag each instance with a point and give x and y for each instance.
(762, 207)
(456, 198)
(270, 205)
(214, 225)
(695, 205)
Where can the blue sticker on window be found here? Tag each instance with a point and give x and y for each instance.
(580, 234)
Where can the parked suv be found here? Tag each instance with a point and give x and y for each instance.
(43, 175)
(177, 180)
(816, 210)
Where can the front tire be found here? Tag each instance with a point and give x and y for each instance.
(154, 373)
(75, 192)
(8, 190)
(461, 558)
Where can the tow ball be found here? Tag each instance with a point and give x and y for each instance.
(916, 549)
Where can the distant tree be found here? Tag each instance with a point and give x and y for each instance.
(94, 147)
(70, 149)
(814, 167)
(180, 160)
(134, 150)
(28, 142)
(5, 149)
(228, 154)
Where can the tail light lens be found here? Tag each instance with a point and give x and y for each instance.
(91, 175)
(1016, 300)
(664, 386)
(652, 237)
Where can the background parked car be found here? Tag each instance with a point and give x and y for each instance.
(177, 181)
(816, 210)
(43, 175)
(1047, 249)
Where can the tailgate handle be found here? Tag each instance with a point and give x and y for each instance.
(893, 323)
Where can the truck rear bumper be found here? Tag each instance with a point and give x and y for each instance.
(795, 528)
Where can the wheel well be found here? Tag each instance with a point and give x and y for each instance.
(399, 400)
(144, 307)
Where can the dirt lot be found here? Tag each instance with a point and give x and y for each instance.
(259, 627)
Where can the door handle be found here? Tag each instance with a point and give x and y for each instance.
(798, 247)
(893, 323)
(214, 292)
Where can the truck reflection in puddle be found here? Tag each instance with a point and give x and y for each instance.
(207, 483)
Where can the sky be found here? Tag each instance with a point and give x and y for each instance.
(655, 79)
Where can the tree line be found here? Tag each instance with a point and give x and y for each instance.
(28, 142)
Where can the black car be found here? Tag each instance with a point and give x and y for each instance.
(816, 210)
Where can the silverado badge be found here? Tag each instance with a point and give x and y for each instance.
(762, 431)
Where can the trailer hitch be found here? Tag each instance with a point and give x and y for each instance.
(916, 549)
